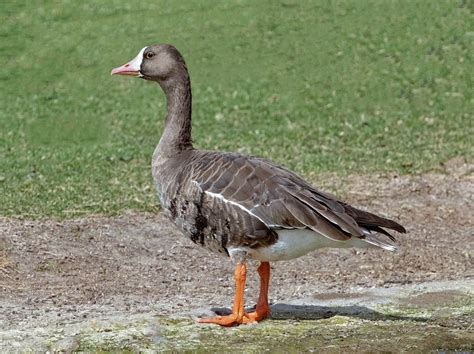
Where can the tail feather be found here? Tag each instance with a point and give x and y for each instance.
(374, 239)
(379, 230)
(372, 221)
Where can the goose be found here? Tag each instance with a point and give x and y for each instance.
(243, 207)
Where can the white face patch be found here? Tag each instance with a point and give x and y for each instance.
(136, 62)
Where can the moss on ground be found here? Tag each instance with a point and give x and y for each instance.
(400, 327)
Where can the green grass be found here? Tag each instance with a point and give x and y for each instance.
(343, 86)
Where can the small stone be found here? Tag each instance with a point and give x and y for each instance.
(149, 332)
(68, 345)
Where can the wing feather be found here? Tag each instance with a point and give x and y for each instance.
(279, 198)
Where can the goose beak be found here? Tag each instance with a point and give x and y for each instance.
(125, 70)
(132, 68)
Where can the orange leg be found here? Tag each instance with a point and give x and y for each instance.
(263, 310)
(237, 316)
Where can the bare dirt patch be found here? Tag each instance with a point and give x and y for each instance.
(58, 272)
(437, 298)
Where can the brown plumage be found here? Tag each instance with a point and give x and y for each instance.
(242, 206)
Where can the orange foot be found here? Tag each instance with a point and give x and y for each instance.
(227, 321)
(235, 319)
(258, 315)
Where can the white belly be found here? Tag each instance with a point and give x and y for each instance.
(296, 243)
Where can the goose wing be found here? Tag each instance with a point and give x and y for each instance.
(268, 197)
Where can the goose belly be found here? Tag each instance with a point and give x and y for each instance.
(296, 243)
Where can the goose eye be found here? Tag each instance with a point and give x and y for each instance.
(149, 55)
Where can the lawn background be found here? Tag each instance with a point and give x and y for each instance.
(319, 86)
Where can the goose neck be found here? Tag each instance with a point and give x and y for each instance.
(177, 132)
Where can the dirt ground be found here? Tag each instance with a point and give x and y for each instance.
(55, 273)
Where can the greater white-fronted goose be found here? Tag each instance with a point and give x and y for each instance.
(242, 206)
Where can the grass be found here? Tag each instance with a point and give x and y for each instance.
(340, 86)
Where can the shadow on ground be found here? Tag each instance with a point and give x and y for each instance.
(314, 312)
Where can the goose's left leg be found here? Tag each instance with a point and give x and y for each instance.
(262, 310)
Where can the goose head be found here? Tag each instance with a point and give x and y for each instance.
(159, 62)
